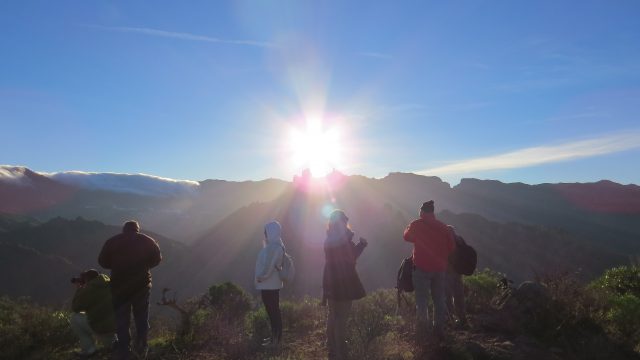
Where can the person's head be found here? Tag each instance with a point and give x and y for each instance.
(131, 227)
(427, 208)
(338, 221)
(272, 232)
(89, 275)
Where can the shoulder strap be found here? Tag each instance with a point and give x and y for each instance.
(281, 262)
(284, 253)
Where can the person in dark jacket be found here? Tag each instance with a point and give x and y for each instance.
(130, 256)
(340, 282)
(454, 288)
(93, 315)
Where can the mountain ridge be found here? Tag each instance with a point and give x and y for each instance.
(576, 227)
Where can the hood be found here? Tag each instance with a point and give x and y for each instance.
(101, 281)
(273, 231)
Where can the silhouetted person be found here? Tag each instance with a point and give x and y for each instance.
(454, 289)
(267, 279)
(432, 243)
(93, 315)
(340, 282)
(130, 256)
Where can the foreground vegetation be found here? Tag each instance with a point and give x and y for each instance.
(555, 317)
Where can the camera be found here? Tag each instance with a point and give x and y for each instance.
(77, 280)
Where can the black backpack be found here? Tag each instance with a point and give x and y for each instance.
(405, 275)
(404, 280)
(464, 258)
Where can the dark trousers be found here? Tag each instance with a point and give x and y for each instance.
(139, 304)
(337, 328)
(454, 292)
(271, 300)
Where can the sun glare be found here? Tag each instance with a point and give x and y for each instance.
(315, 147)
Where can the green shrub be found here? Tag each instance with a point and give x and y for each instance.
(257, 325)
(229, 300)
(372, 318)
(200, 316)
(481, 288)
(624, 317)
(620, 280)
(27, 330)
(302, 316)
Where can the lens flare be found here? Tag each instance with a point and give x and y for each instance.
(316, 147)
(327, 209)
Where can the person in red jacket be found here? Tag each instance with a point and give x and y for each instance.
(432, 243)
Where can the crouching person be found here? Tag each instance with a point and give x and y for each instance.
(93, 316)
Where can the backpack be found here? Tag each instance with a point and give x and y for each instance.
(404, 281)
(287, 270)
(464, 258)
(405, 275)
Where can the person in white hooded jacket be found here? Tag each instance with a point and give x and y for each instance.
(267, 277)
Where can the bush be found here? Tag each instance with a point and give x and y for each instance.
(257, 325)
(27, 330)
(372, 319)
(624, 316)
(620, 280)
(216, 323)
(229, 300)
(481, 288)
(302, 316)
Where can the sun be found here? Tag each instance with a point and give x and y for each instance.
(316, 147)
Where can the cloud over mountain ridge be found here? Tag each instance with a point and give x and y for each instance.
(140, 184)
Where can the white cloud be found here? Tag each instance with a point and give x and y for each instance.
(141, 184)
(14, 175)
(184, 36)
(543, 154)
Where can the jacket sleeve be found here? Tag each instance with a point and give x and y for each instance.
(358, 249)
(409, 233)
(104, 259)
(80, 300)
(273, 259)
(155, 257)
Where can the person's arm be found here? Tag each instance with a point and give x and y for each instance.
(272, 261)
(104, 259)
(409, 233)
(359, 248)
(80, 300)
(155, 257)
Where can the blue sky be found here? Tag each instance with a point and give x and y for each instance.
(543, 91)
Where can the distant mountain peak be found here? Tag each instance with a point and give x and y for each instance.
(16, 175)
